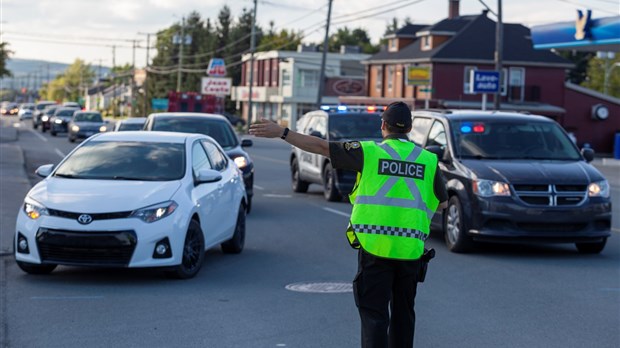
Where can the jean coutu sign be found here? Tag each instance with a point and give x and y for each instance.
(216, 85)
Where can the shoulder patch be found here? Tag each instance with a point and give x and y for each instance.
(351, 145)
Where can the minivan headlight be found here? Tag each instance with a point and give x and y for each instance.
(599, 189)
(34, 209)
(155, 212)
(488, 188)
(241, 161)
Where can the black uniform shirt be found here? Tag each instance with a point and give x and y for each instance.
(349, 156)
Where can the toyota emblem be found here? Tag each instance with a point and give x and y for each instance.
(85, 219)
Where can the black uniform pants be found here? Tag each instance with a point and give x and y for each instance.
(384, 286)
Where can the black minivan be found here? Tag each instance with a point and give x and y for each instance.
(514, 177)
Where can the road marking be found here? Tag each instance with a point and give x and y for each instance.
(59, 153)
(259, 187)
(338, 212)
(280, 345)
(37, 134)
(270, 159)
(273, 195)
(66, 297)
(17, 124)
(615, 229)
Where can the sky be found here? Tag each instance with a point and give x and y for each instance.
(64, 30)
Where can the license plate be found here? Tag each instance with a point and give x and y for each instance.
(89, 134)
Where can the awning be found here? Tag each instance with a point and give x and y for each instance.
(583, 34)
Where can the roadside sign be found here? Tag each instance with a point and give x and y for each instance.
(159, 104)
(216, 85)
(430, 90)
(484, 81)
(217, 67)
(418, 76)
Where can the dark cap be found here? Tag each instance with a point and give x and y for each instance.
(397, 115)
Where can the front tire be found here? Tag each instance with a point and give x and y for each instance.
(330, 192)
(299, 185)
(456, 227)
(193, 253)
(236, 243)
(591, 248)
(33, 268)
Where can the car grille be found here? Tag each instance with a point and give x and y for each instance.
(91, 248)
(551, 195)
(99, 216)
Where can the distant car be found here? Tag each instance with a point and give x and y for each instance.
(514, 178)
(215, 126)
(133, 199)
(128, 124)
(60, 121)
(84, 124)
(71, 105)
(234, 119)
(24, 108)
(9, 108)
(46, 115)
(25, 114)
(38, 112)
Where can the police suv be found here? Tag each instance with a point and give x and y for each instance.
(514, 177)
(332, 123)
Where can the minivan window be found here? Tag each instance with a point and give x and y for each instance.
(437, 135)
(220, 130)
(498, 139)
(419, 129)
(355, 126)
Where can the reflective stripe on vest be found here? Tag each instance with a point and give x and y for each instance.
(390, 231)
(381, 197)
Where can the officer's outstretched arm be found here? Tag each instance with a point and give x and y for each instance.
(268, 129)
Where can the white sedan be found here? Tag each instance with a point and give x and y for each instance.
(133, 199)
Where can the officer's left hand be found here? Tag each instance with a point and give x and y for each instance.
(266, 129)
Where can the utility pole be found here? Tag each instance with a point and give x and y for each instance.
(132, 79)
(319, 97)
(181, 43)
(252, 48)
(499, 47)
(146, 76)
(113, 81)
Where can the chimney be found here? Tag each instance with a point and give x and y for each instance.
(453, 9)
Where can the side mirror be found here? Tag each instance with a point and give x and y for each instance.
(588, 154)
(246, 143)
(45, 170)
(439, 151)
(207, 176)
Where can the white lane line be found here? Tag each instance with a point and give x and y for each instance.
(615, 229)
(270, 159)
(273, 195)
(37, 134)
(66, 297)
(259, 187)
(59, 153)
(338, 212)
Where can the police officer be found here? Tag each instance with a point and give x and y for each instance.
(399, 187)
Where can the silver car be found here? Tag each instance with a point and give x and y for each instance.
(83, 124)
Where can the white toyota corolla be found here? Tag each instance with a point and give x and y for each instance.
(133, 199)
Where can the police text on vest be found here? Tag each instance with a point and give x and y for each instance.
(401, 168)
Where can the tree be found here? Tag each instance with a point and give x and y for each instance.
(356, 37)
(284, 40)
(597, 68)
(69, 85)
(581, 60)
(4, 56)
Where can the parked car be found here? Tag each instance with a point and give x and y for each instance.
(38, 112)
(132, 123)
(60, 121)
(514, 177)
(215, 126)
(84, 124)
(133, 199)
(331, 124)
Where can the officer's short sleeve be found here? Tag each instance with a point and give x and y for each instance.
(440, 187)
(347, 155)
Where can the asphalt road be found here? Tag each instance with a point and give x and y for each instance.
(499, 296)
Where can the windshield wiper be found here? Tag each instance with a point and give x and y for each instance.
(119, 177)
(70, 176)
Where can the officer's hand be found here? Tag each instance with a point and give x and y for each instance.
(266, 129)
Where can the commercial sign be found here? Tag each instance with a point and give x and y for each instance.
(217, 67)
(418, 76)
(484, 81)
(594, 34)
(345, 87)
(159, 104)
(216, 85)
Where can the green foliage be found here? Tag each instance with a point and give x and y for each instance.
(69, 85)
(581, 60)
(356, 37)
(4, 56)
(284, 40)
(597, 69)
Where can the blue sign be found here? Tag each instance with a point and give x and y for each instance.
(582, 32)
(481, 81)
(159, 104)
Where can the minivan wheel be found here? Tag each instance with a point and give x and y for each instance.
(193, 253)
(329, 184)
(591, 248)
(33, 268)
(235, 244)
(455, 227)
(298, 184)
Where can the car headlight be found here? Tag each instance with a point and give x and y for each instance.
(155, 212)
(59, 121)
(599, 189)
(103, 128)
(34, 209)
(75, 129)
(45, 118)
(488, 188)
(241, 161)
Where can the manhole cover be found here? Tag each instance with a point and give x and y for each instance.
(324, 288)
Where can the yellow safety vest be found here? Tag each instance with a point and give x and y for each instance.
(393, 200)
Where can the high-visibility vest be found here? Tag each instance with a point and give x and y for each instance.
(393, 200)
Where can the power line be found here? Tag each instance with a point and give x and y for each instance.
(64, 37)
(380, 12)
(593, 8)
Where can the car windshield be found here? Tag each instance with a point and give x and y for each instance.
(65, 113)
(42, 106)
(125, 160)
(50, 111)
(88, 117)
(355, 126)
(500, 139)
(127, 126)
(217, 129)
